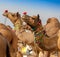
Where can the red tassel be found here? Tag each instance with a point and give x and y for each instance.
(24, 13)
(6, 11)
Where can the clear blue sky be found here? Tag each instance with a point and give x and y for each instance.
(46, 8)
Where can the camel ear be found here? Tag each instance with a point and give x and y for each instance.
(38, 17)
(18, 15)
(48, 21)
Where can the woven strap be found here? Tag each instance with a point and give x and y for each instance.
(39, 37)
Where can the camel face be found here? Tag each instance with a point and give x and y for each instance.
(52, 26)
(12, 16)
(5, 14)
(32, 21)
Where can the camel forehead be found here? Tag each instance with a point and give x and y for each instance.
(34, 16)
(25, 17)
(53, 19)
(12, 13)
(9, 13)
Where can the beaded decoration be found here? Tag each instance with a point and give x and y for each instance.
(38, 38)
(16, 27)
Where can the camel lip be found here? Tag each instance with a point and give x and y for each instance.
(3, 14)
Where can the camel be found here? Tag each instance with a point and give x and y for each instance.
(5, 31)
(4, 47)
(45, 39)
(15, 18)
(49, 27)
(26, 36)
(10, 36)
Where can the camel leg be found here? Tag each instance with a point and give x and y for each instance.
(58, 53)
(46, 53)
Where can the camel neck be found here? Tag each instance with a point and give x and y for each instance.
(18, 24)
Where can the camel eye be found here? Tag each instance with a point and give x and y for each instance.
(13, 15)
(33, 18)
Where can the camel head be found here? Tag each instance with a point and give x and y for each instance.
(53, 19)
(52, 26)
(31, 20)
(12, 16)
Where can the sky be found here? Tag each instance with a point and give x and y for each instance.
(45, 8)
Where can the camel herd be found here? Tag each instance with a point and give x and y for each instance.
(29, 38)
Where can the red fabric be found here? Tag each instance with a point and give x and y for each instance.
(24, 12)
(39, 23)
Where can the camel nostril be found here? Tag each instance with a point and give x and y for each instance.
(3, 14)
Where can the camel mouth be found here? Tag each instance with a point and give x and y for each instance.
(3, 14)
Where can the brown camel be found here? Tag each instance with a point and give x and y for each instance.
(52, 26)
(10, 36)
(4, 47)
(43, 39)
(16, 16)
(24, 35)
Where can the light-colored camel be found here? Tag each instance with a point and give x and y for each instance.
(47, 39)
(51, 29)
(4, 47)
(25, 36)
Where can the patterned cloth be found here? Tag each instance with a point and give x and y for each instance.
(38, 38)
(16, 27)
(25, 50)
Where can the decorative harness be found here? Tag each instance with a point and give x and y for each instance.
(39, 35)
